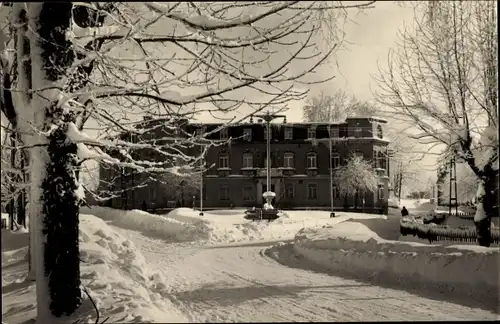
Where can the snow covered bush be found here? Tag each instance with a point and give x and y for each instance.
(355, 177)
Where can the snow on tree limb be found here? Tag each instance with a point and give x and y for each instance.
(356, 176)
(216, 58)
(440, 78)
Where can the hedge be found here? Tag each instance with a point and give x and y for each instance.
(435, 233)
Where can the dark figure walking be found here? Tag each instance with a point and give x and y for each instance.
(404, 211)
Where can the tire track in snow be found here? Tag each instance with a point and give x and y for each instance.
(239, 283)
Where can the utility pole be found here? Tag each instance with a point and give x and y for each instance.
(400, 178)
(330, 155)
(201, 182)
(268, 117)
(453, 185)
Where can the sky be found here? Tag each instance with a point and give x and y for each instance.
(370, 35)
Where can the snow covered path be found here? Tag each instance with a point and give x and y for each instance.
(239, 283)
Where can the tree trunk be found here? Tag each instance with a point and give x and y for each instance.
(53, 199)
(21, 198)
(12, 202)
(487, 206)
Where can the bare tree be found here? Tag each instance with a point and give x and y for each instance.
(13, 178)
(334, 107)
(356, 177)
(404, 162)
(180, 188)
(112, 64)
(442, 78)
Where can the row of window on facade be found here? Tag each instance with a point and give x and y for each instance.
(311, 133)
(312, 192)
(289, 160)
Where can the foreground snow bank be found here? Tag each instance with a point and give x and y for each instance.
(353, 247)
(113, 271)
(120, 277)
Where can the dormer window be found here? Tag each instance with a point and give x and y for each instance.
(334, 132)
(311, 132)
(200, 131)
(380, 133)
(357, 130)
(288, 133)
(312, 160)
(247, 134)
(224, 134)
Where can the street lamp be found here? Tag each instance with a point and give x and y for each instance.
(269, 195)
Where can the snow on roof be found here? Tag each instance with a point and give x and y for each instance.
(279, 124)
(372, 118)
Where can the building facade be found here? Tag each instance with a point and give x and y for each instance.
(301, 163)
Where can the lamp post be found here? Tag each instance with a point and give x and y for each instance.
(201, 185)
(268, 117)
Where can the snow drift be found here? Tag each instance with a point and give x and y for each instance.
(113, 271)
(351, 247)
(167, 228)
(217, 227)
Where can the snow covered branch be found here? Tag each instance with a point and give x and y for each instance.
(440, 79)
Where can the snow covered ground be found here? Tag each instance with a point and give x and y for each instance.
(218, 226)
(222, 268)
(113, 271)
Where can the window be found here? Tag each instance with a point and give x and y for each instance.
(311, 160)
(380, 161)
(335, 160)
(289, 192)
(224, 134)
(357, 131)
(312, 191)
(224, 192)
(311, 132)
(247, 134)
(200, 131)
(288, 133)
(381, 192)
(334, 132)
(265, 161)
(152, 193)
(270, 133)
(380, 133)
(248, 193)
(288, 160)
(224, 161)
(247, 160)
(336, 192)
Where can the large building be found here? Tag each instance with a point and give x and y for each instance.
(300, 166)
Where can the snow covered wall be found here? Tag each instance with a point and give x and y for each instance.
(352, 248)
